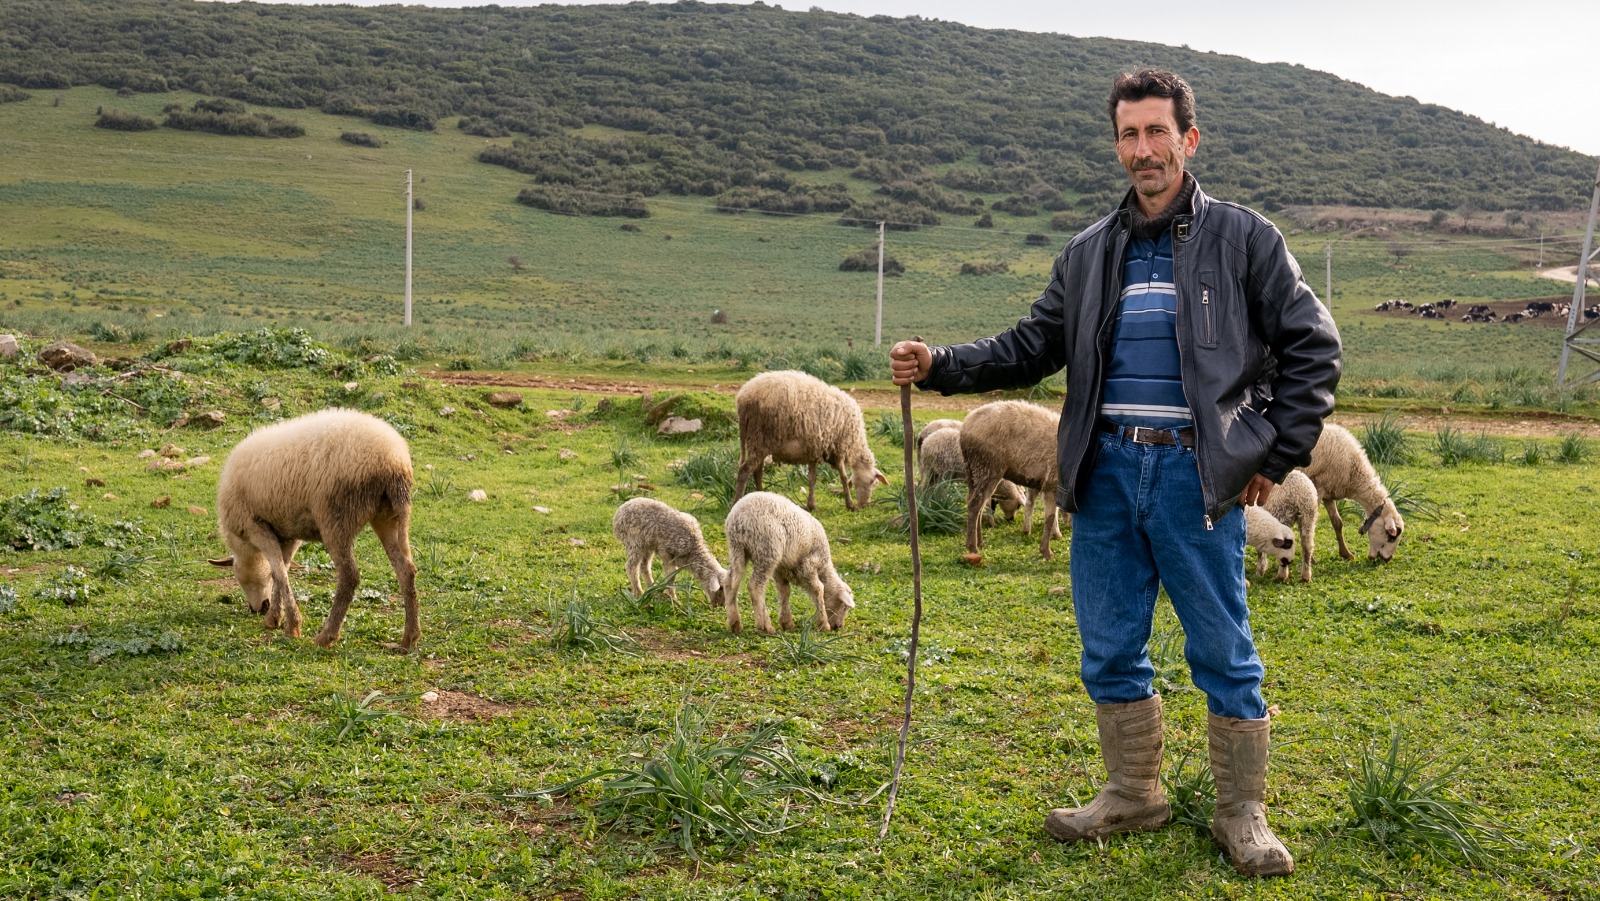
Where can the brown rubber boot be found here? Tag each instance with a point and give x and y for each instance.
(1239, 765)
(1132, 800)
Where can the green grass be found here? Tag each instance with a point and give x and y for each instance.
(157, 740)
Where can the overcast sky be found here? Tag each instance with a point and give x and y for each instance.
(1529, 66)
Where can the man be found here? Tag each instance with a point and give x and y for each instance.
(1199, 369)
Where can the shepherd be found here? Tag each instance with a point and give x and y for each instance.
(1200, 367)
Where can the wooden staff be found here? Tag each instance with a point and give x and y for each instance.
(916, 609)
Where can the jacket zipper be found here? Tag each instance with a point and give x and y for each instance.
(1205, 301)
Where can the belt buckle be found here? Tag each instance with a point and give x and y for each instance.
(1137, 440)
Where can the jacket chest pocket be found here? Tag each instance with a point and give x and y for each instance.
(1209, 305)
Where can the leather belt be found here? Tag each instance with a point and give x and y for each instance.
(1146, 435)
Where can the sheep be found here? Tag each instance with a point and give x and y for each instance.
(940, 460)
(319, 477)
(1339, 468)
(1016, 440)
(793, 417)
(776, 540)
(1294, 503)
(934, 426)
(1270, 538)
(647, 528)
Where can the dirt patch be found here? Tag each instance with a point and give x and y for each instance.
(382, 867)
(454, 705)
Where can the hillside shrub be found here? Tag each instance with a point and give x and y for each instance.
(575, 202)
(12, 94)
(118, 120)
(361, 139)
(985, 267)
(866, 260)
(229, 117)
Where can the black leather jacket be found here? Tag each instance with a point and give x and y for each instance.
(1260, 354)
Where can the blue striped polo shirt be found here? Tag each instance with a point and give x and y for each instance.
(1144, 381)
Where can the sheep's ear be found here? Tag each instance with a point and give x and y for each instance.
(882, 479)
(225, 562)
(1283, 543)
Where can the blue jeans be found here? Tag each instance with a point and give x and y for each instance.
(1140, 524)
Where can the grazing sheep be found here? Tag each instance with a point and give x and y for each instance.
(793, 417)
(1339, 469)
(647, 528)
(776, 540)
(1294, 503)
(1015, 440)
(319, 477)
(1270, 538)
(934, 426)
(941, 461)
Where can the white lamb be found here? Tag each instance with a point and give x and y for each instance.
(1015, 440)
(1294, 503)
(1340, 469)
(796, 418)
(941, 461)
(934, 426)
(776, 540)
(647, 528)
(319, 477)
(1270, 538)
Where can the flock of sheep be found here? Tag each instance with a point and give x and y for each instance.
(327, 475)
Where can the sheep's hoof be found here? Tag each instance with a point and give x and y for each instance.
(735, 626)
(325, 641)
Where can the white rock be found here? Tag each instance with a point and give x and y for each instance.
(478, 494)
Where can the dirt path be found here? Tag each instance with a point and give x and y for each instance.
(1526, 424)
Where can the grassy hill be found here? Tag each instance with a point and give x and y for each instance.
(139, 237)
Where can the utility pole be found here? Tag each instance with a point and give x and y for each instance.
(1541, 250)
(1574, 340)
(877, 334)
(409, 205)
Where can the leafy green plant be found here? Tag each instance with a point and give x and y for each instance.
(574, 626)
(891, 427)
(124, 565)
(714, 473)
(941, 508)
(1409, 814)
(71, 586)
(1572, 449)
(8, 598)
(272, 348)
(1191, 790)
(1166, 655)
(663, 596)
(1409, 499)
(1455, 447)
(805, 648)
(1532, 453)
(350, 716)
(929, 653)
(139, 641)
(42, 521)
(1384, 440)
(697, 789)
(438, 484)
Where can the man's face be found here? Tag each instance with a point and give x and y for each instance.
(1152, 148)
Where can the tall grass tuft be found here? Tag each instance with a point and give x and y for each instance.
(1410, 815)
(1455, 447)
(714, 473)
(941, 509)
(697, 788)
(805, 648)
(890, 427)
(1192, 791)
(573, 626)
(1384, 440)
(1572, 449)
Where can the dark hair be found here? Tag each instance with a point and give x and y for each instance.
(1150, 82)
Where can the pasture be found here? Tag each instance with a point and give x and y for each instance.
(159, 743)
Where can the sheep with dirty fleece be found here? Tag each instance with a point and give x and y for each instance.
(319, 477)
(1339, 469)
(648, 528)
(940, 460)
(794, 418)
(1294, 503)
(774, 540)
(1015, 440)
(933, 426)
(1270, 539)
